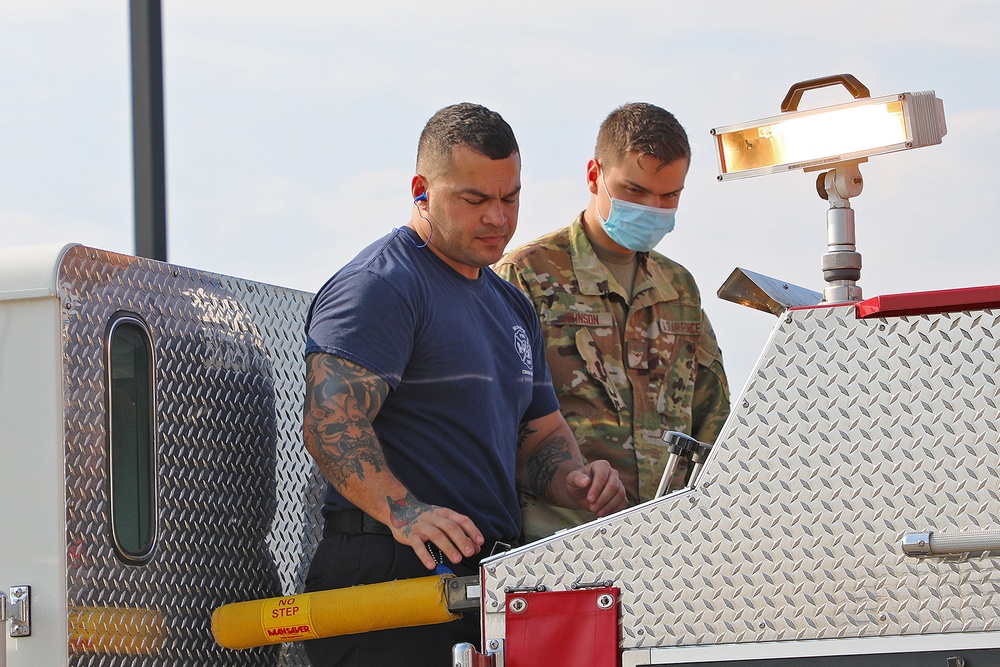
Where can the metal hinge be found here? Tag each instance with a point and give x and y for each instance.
(16, 607)
(605, 583)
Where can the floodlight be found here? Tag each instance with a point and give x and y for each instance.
(819, 137)
(838, 138)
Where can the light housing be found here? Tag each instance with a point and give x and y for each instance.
(815, 138)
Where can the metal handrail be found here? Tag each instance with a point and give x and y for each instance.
(973, 542)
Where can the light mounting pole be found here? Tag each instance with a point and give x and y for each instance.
(148, 161)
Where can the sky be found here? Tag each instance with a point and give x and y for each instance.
(291, 128)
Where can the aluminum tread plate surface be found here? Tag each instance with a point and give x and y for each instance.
(849, 434)
(238, 498)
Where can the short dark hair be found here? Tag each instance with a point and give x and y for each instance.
(643, 128)
(465, 124)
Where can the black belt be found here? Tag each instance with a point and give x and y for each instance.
(353, 522)
(356, 522)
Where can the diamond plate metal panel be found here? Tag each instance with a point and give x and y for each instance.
(238, 495)
(849, 434)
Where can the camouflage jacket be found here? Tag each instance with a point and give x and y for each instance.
(668, 377)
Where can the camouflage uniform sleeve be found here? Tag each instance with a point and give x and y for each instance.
(508, 272)
(710, 406)
(512, 274)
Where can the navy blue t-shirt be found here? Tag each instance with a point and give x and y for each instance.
(465, 360)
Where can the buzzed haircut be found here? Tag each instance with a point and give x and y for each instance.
(466, 124)
(643, 128)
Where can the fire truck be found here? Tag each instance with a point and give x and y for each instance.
(849, 512)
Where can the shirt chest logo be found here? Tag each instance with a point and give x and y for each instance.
(523, 348)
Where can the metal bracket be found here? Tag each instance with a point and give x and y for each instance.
(494, 649)
(463, 594)
(760, 292)
(961, 544)
(917, 545)
(18, 610)
(466, 655)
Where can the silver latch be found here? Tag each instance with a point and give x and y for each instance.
(17, 608)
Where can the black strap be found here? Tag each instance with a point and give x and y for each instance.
(353, 522)
(356, 522)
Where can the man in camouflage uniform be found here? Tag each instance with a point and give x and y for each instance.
(630, 349)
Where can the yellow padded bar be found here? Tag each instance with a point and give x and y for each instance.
(343, 611)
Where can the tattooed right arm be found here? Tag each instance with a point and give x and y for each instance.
(342, 399)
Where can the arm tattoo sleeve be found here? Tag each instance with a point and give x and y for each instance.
(341, 400)
(544, 464)
(523, 434)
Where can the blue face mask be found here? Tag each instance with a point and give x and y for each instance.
(635, 226)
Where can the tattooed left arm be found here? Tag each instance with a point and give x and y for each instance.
(549, 463)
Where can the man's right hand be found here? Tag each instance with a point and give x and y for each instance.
(415, 523)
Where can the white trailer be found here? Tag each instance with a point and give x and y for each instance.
(153, 467)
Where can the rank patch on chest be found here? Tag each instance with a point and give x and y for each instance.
(680, 328)
(581, 319)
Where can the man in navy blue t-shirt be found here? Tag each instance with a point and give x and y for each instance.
(427, 394)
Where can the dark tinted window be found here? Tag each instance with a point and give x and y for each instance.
(131, 455)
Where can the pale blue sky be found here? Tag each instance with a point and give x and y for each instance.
(291, 128)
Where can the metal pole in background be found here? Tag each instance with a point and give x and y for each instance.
(149, 169)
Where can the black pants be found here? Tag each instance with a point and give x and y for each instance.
(343, 560)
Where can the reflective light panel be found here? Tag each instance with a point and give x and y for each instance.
(841, 133)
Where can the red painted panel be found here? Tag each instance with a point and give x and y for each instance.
(562, 629)
(925, 303)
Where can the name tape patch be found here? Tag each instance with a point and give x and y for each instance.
(680, 328)
(581, 319)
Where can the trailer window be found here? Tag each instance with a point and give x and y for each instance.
(131, 452)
